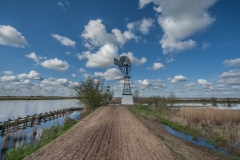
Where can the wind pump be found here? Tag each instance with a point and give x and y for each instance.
(125, 67)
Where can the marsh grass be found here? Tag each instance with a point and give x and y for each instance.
(221, 127)
(144, 111)
(216, 116)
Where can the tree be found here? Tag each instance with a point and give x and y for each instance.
(172, 98)
(136, 95)
(214, 101)
(93, 93)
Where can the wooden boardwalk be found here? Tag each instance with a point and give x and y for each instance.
(30, 121)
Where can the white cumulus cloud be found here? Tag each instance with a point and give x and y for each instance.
(143, 26)
(145, 82)
(10, 36)
(203, 82)
(34, 57)
(64, 40)
(157, 66)
(102, 58)
(232, 62)
(55, 64)
(181, 19)
(7, 73)
(177, 79)
(95, 34)
(110, 74)
(9, 79)
(31, 75)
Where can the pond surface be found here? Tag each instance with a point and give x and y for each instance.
(21, 108)
(234, 106)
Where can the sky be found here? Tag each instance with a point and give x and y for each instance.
(188, 47)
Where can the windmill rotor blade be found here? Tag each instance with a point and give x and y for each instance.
(117, 62)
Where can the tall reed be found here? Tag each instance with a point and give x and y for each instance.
(216, 116)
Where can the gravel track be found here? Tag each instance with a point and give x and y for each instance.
(111, 132)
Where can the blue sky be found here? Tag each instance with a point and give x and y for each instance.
(189, 47)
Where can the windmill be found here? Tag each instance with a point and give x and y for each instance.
(125, 67)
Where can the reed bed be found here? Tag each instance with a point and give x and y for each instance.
(221, 127)
(216, 116)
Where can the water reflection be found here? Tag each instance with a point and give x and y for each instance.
(199, 141)
(21, 137)
(22, 108)
(230, 106)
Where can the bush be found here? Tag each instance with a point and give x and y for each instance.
(93, 93)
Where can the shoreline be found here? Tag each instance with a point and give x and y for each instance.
(2, 98)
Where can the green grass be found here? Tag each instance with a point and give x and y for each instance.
(48, 136)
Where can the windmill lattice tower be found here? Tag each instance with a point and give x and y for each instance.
(125, 67)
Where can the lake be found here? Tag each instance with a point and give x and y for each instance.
(234, 106)
(21, 108)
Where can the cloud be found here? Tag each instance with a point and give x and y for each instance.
(231, 77)
(63, 82)
(146, 24)
(203, 82)
(145, 82)
(82, 70)
(143, 26)
(64, 40)
(190, 84)
(177, 79)
(55, 64)
(10, 36)
(181, 19)
(95, 34)
(168, 60)
(134, 60)
(110, 74)
(9, 79)
(33, 56)
(205, 45)
(7, 73)
(73, 75)
(157, 9)
(231, 74)
(232, 62)
(102, 58)
(156, 66)
(62, 6)
(31, 75)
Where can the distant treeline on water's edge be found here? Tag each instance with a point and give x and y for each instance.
(34, 97)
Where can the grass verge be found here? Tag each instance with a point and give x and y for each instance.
(144, 111)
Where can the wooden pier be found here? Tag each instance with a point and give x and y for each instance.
(22, 123)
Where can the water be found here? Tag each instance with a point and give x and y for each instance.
(21, 108)
(234, 106)
(199, 141)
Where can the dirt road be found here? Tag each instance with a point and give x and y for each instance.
(111, 132)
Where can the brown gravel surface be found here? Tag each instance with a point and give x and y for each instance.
(111, 132)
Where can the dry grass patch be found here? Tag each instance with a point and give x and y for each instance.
(216, 116)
